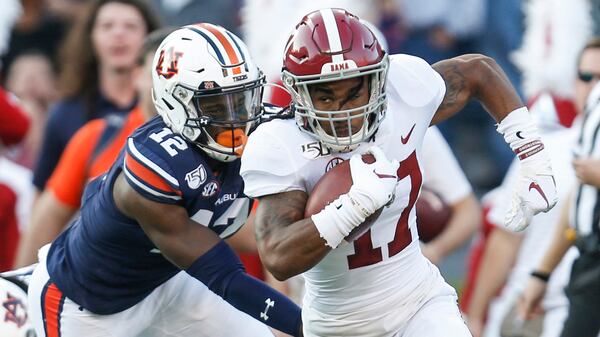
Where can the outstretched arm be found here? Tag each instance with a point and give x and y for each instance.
(203, 255)
(475, 76)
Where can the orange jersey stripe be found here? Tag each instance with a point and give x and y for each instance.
(148, 176)
(52, 307)
(226, 44)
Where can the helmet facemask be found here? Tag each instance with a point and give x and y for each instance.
(322, 124)
(219, 119)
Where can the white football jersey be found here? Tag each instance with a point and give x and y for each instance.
(372, 286)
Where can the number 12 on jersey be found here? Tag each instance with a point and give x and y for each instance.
(170, 142)
(364, 252)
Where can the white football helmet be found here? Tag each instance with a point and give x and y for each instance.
(207, 88)
(14, 321)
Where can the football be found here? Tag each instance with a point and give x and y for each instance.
(331, 185)
(433, 215)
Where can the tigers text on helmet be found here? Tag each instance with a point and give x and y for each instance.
(207, 88)
(332, 45)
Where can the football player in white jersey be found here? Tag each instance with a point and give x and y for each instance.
(379, 284)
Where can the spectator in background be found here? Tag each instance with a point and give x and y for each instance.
(578, 226)
(66, 9)
(15, 208)
(90, 153)
(97, 64)
(9, 15)
(185, 12)
(36, 28)
(435, 29)
(15, 186)
(14, 122)
(31, 78)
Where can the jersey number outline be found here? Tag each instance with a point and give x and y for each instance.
(364, 252)
(170, 144)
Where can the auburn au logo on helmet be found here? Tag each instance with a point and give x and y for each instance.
(173, 58)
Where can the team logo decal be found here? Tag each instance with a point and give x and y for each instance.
(315, 150)
(196, 177)
(16, 311)
(332, 163)
(210, 189)
(208, 85)
(167, 63)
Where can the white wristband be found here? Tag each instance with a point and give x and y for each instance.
(337, 220)
(521, 133)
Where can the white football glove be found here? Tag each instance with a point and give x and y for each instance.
(535, 192)
(373, 185)
(536, 188)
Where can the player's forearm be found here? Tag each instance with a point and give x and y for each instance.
(466, 217)
(498, 258)
(291, 250)
(559, 246)
(222, 272)
(475, 76)
(288, 243)
(493, 88)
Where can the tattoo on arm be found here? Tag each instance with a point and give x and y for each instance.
(279, 210)
(455, 83)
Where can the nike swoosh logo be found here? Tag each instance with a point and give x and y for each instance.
(535, 186)
(382, 175)
(518, 134)
(404, 140)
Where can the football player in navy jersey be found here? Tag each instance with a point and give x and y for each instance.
(146, 256)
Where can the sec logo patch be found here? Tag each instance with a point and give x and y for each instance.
(210, 189)
(332, 163)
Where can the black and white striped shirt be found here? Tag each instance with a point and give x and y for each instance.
(585, 215)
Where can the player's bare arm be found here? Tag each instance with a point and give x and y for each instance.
(289, 244)
(479, 77)
(180, 239)
(475, 76)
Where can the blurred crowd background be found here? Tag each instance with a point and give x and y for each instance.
(63, 64)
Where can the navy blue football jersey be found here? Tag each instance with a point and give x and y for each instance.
(104, 261)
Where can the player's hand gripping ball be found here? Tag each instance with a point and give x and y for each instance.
(332, 184)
